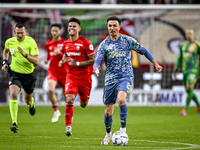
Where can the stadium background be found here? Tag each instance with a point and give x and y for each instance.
(160, 29)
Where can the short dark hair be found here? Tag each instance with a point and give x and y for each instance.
(19, 25)
(57, 25)
(75, 20)
(114, 18)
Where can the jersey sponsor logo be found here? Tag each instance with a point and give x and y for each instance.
(12, 51)
(36, 48)
(53, 53)
(91, 47)
(78, 44)
(74, 54)
(187, 54)
(116, 54)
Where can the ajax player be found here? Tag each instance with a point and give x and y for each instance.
(116, 50)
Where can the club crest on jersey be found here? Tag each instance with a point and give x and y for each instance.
(91, 47)
(78, 46)
(12, 51)
(123, 45)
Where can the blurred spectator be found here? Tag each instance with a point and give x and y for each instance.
(196, 2)
(108, 1)
(165, 1)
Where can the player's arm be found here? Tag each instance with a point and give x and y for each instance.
(178, 63)
(33, 59)
(89, 62)
(48, 55)
(98, 59)
(143, 51)
(5, 59)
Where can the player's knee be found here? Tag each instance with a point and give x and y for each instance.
(108, 112)
(83, 104)
(121, 101)
(69, 99)
(51, 92)
(13, 95)
(189, 92)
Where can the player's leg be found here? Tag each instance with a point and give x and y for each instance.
(123, 111)
(190, 80)
(52, 96)
(13, 106)
(28, 83)
(109, 98)
(84, 92)
(108, 120)
(124, 88)
(70, 98)
(183, 111)
(29, 100)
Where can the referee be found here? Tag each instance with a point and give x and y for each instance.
(24, 52)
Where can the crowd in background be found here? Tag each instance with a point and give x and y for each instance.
(106, 1)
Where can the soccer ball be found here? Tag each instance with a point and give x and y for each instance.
(120, 138)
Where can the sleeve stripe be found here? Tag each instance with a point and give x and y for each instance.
(91, 54)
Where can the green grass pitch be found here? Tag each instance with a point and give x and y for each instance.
(148, 128)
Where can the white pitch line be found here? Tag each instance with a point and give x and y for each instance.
(160, 148)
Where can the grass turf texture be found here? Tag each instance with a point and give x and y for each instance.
(148, 128)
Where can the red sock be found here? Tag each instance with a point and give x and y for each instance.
(68, 114)
(55, 107)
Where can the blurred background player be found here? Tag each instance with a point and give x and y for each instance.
(116, 50)
(55, 73)
(80, 54)
(189, 59)
(24, 52)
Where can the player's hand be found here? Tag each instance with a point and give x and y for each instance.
(21, 51)
(72, 62)
(96, 71)
(46, 61)
(57, 50)
(4, 67)
(159, 68)
(175, 74)
(60, 63)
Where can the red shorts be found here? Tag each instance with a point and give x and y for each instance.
(60, 79)
(75, 85)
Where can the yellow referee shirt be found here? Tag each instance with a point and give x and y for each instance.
(19, 63)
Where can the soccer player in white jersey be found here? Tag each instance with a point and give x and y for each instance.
(116, 49)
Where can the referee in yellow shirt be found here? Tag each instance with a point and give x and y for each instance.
(25, 55)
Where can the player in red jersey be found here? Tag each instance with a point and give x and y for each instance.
(80, 55)
(55, 74)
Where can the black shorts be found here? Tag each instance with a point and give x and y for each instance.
(27, 81)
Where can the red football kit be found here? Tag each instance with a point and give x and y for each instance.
(79, 77)
(54, 71)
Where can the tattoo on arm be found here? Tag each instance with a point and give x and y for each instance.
(89, 62)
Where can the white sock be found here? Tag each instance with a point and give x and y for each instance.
(109, 134)
(123, 129)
